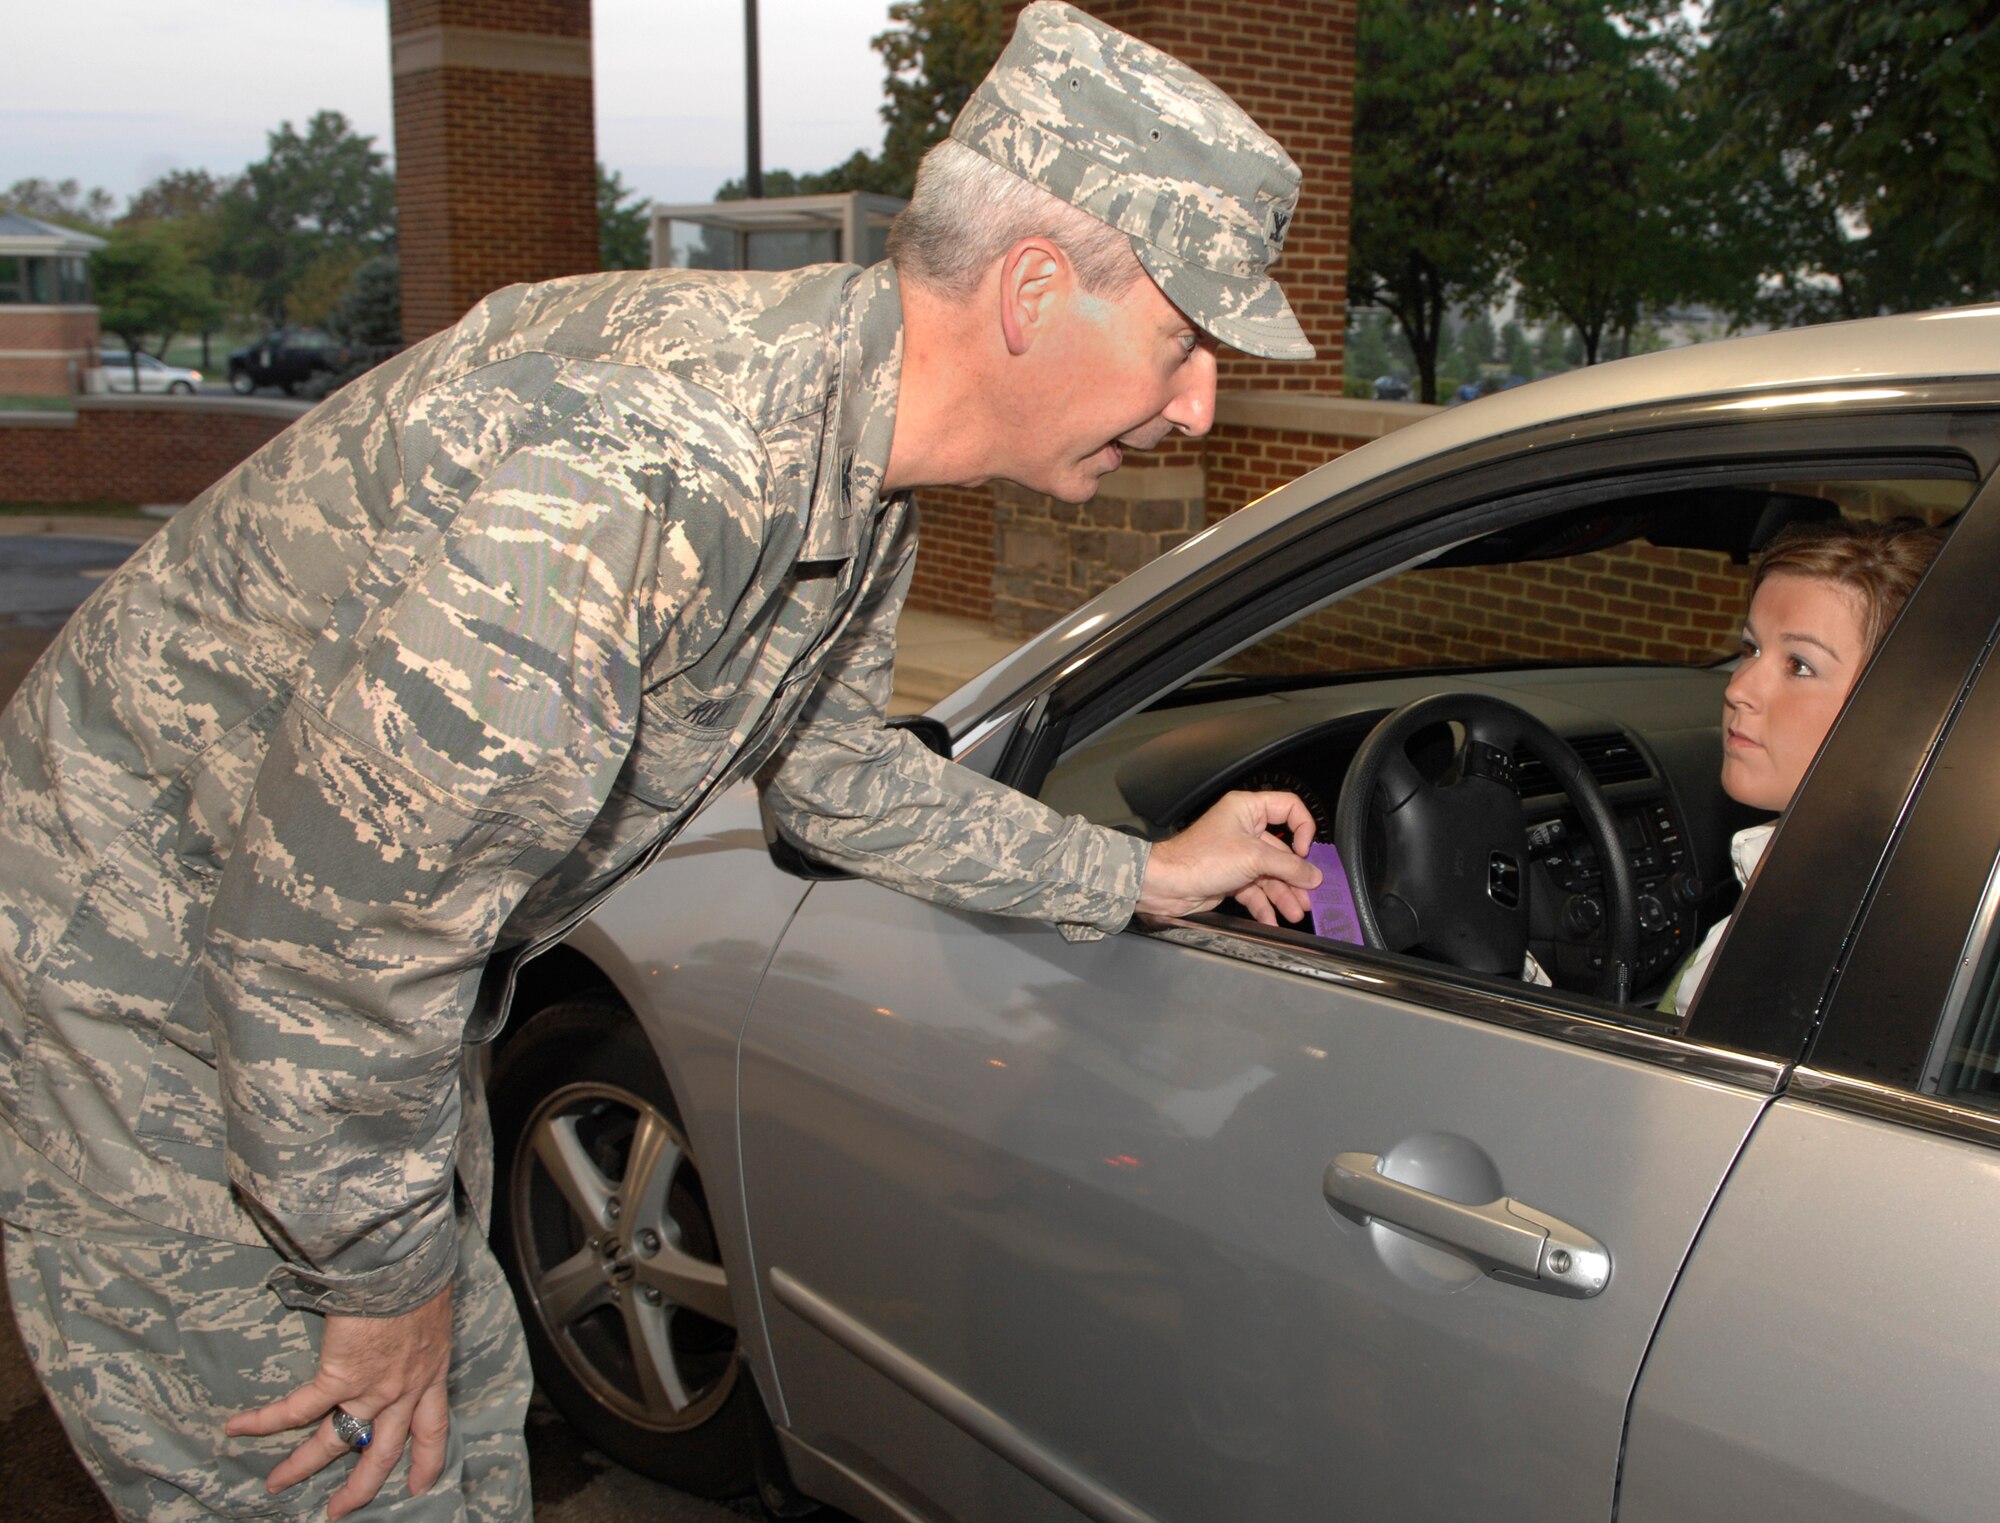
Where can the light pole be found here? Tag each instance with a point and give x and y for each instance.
(753, 179)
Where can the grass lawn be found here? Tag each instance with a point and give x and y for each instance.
(187, 351)
(10, 403)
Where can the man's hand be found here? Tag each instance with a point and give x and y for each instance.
(386, 1370)
(1230, 852)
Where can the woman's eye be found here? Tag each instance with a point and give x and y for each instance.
(1799, 668)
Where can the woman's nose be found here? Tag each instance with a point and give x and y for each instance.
(1742, 689)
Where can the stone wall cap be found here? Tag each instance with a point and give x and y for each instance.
(248, 407)
(1153, 483)
(1317, 413)
(36, 418)
(82, 526)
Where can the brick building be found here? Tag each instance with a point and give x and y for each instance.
(48, 326)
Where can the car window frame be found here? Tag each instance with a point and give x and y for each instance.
(1782, 973)
(1903, 985)
(1393, 521)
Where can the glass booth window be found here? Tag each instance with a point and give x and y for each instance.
(790, 248)
(43, 280)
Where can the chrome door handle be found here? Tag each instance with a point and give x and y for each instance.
(1508, 1240)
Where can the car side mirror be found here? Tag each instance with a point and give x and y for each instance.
(789, 858)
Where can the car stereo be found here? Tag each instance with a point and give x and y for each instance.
(1567, 931)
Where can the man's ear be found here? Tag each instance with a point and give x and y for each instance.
(1033, 276)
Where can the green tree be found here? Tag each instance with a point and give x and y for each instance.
(65, 202)
(936, 52)
(1869, 159)
(185, 206)
(623, 237)
(148, 289)
(1557, 348)
(324, 192)
(1433, 143)
(1608, 216)
(318, 288)
(370, 310)
(180, 195)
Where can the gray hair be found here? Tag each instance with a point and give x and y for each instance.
(967, 211)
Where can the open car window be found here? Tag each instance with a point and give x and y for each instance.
(1609, 620)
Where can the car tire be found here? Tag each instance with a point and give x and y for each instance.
(240, 383)
(608, 1303)
(182, 388)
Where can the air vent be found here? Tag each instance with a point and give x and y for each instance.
(1611, 759)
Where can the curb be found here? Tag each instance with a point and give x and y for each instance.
(84, 526)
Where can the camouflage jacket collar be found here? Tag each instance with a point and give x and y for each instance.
(863, 415)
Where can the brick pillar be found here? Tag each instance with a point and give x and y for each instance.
(496, 149)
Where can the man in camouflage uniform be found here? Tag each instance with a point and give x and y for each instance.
(428, 673)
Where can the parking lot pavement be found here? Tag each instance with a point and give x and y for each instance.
(43, 576)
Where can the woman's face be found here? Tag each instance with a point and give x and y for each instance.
(1802, 647)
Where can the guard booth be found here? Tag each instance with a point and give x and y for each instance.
(48, 322)
(777, 233)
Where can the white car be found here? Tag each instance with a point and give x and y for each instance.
(154, 375)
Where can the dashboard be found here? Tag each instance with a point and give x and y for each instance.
(1650, 735)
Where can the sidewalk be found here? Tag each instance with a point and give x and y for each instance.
(936, 654)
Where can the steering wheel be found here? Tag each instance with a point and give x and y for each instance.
(1454, 872)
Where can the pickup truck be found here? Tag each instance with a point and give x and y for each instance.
(286, 359)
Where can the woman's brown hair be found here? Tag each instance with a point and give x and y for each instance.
(1880, 564)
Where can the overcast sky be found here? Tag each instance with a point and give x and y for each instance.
(117, 92)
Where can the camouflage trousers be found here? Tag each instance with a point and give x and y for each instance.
(147, 1341)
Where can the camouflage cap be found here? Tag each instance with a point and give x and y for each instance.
(1139, 140)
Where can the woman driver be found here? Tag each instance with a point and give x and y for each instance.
(1821, 598)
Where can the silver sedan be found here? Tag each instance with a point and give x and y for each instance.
(935, 1216)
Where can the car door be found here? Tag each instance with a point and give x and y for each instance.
(1833, 1349)
(1049, 1230)
(1073, 1254)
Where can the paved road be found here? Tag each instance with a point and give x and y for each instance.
(42, 578)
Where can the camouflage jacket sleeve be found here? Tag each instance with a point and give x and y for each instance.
(438, 758)
(880, 803)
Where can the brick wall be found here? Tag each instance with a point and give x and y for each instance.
(1245, 463)
(45, 350)
(133, 449)
(955, 566)
(1579, 608)
(496, 178)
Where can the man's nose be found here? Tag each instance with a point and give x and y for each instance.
(1192, 409)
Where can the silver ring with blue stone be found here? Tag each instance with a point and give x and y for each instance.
(351, 1430)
